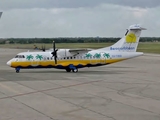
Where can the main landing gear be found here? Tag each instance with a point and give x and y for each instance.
(75, 70)
(71, 68)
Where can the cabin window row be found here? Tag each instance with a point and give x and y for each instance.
(67, 58)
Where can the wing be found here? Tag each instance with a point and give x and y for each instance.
(80, 50)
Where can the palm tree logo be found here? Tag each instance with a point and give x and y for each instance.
(97, 55)
(39, 57)
(106, 55)
(89, 55)
(29, 57)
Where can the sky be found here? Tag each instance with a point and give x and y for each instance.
(77, 18)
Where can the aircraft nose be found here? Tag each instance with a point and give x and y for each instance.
(9, 63)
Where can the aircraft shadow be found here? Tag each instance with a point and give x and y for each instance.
(79, 72)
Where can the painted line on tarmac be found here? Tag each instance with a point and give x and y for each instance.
(84, 83)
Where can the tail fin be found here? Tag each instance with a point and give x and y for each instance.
(129, 42)
(0, 14)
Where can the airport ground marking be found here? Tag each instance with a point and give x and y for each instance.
(61, 87)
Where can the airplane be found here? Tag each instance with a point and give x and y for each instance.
(74, 59)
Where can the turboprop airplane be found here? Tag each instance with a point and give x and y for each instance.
(73, 59)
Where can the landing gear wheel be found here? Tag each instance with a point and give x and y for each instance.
(68, 70)
(74, 70)
(17, 70)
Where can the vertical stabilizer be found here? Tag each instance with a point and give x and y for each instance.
(129, 42)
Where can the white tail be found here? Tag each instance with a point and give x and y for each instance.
(129, 42)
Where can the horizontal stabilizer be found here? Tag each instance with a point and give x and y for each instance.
(136, 27)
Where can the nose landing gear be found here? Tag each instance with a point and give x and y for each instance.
(17, 70)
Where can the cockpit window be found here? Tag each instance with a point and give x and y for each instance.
(20, 56)
(16, 56)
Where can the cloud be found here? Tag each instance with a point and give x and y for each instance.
(136, 3)
(47, 4)
(104, 20)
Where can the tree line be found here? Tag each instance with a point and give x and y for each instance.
(71, 40)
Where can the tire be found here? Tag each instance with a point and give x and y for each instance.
(17, 70)
(68, 70)
(75, 70)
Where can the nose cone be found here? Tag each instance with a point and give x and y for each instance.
(9, 63)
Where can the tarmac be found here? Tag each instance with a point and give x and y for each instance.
(128, 90)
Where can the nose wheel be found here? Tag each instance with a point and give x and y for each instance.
(17, 70)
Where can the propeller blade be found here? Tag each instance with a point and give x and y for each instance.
(55, 59)
(54, 46)
(43, 48)
(54, 53)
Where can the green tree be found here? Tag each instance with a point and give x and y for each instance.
(97, 55)
(29, 57)
(88, 55)
(39, 57)
(106, 55)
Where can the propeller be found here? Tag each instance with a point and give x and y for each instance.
(54, 53)
(43, 48)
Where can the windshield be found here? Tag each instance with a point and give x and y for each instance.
(20, 56)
